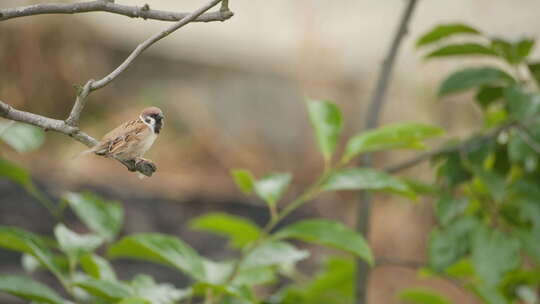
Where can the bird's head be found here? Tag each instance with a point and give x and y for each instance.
(153, 117)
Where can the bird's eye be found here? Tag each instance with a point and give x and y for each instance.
(147, 120)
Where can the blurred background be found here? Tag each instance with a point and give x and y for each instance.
(233, 94)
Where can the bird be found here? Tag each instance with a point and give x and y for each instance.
(133, 138)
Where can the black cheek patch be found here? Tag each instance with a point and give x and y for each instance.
(157, 126)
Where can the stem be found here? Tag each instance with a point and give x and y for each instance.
(45, 201)
(307, 195)
(209, 297)
(372, 120)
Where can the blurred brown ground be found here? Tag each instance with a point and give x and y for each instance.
(224, 116)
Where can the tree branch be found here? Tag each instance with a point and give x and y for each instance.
(49, 124)
(70, 125)
(372, 120)
(80, 102)
(467, 145)
(46, 123)
(108, 6)
(148, 42)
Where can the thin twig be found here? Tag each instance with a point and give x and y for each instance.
(372, 120)
(80, 101)
(46, 123)
(148, 42)
(523, 132)
(467, 145)
(110, 7)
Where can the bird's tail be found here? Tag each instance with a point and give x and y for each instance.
(83, 153)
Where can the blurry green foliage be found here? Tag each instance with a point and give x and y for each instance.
(265, 254)
(488, 209)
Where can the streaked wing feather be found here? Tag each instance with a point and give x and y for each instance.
(119, 138)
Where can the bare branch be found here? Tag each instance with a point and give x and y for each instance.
(147, 43)
(70, 125)
(73, 119)
(108, 6)
(49, 124)
(372, 120)
(46, 123)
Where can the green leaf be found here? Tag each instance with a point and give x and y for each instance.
(448, 208)
(490, 294)
(534, 69)
(241, 231)
(520, 152)
(393, 136)
(530, 241)
(523, 49)
(449, 244)
(494, 183)
(22, 241)
(146, 288)
(445, 31)
(29, 263)
(17, 239)
(521, 105)
(217, 274)
(422, 296)
(494, 254)
(253, 276)
(486, 95)
(460, 50)
(159, 248)
(232, 294)
(461, 269)
(334, 284)
(366, 179)
(473, 77)
(97, 267)
(14, 173)
(452, 171)
(244, 180)
(513, 53)
(422, 188)
(21, 137)
(530, 212)
(103, 217)
(106, 289)
(328, 233)
(274, 253)
(326, 119)
(28, 289)
(75, 245)
(134, 301)
(271, 187)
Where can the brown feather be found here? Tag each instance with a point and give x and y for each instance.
(124, 141)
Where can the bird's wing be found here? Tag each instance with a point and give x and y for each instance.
(120, 137)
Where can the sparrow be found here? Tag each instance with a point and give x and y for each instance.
(132, 139)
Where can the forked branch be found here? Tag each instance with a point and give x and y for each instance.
(70, 125)
(144, 12)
